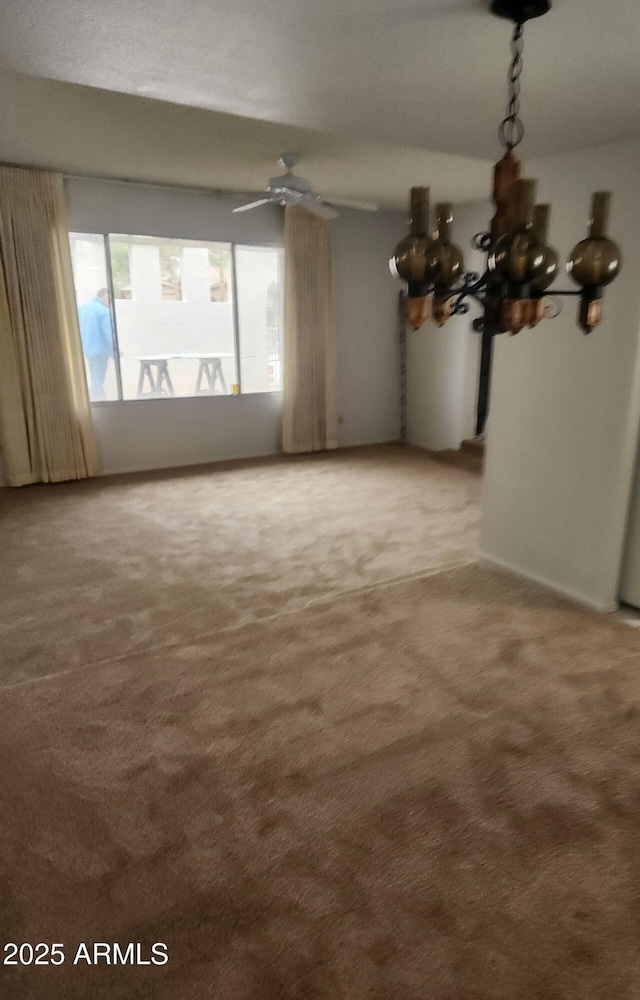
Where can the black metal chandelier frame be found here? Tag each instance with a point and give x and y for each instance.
(511, 133)
(473, 285)
(515, 288)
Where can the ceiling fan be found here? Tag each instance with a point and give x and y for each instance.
(289, 189)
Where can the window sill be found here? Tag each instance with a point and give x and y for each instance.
(175, 399)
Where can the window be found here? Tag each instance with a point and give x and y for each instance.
(94, 316)
(120, 270)
(219, 275)
(171, 272)
(158, 317)
(260, 318)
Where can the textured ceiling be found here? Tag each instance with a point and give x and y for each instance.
(421, 73)
(86, 130)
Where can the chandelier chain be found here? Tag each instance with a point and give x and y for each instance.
(511, 129)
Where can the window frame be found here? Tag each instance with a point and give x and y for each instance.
(233, 244)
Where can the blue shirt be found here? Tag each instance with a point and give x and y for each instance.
(95, 329)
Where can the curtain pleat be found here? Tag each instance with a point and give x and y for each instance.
(46, 431)
(310, 415)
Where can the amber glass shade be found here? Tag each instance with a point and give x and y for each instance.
(600, 209)
(594, 262)
(518, 257)
(444, 218)
(450, 263)
(450, 258)
(414, 259)
(419, 208)
(549, 270)
(540, 229)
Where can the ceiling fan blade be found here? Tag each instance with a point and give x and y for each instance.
(362, 206)
(252, 204)
(317, 207)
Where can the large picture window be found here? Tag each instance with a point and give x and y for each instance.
(164, 317)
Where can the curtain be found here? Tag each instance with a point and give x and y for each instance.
(46, 432)
(310, 415)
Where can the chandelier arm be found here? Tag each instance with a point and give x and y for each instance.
(482, 241)
(460, 306)
(471, 283)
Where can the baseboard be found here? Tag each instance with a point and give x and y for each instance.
(177, 466)
(250, 457)
(604, 607)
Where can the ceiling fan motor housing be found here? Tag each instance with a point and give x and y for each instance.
(290, 182)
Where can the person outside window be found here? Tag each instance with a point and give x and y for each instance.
(97, 340)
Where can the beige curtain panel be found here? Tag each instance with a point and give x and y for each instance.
(46, 432)
(310, 415)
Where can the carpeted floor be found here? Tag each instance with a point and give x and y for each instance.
(96, 569)
(356, 773)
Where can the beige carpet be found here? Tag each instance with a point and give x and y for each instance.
(427, 789)
(94, 569)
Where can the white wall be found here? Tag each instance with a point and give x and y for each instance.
(366, 302)
(630, 578)
(564, 407)
(158, 433)
(163, 433)
(442, 364)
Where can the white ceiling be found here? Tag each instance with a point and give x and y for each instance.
(420, 73)
(85, 130)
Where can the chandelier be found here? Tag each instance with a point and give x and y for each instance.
(521, 266)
